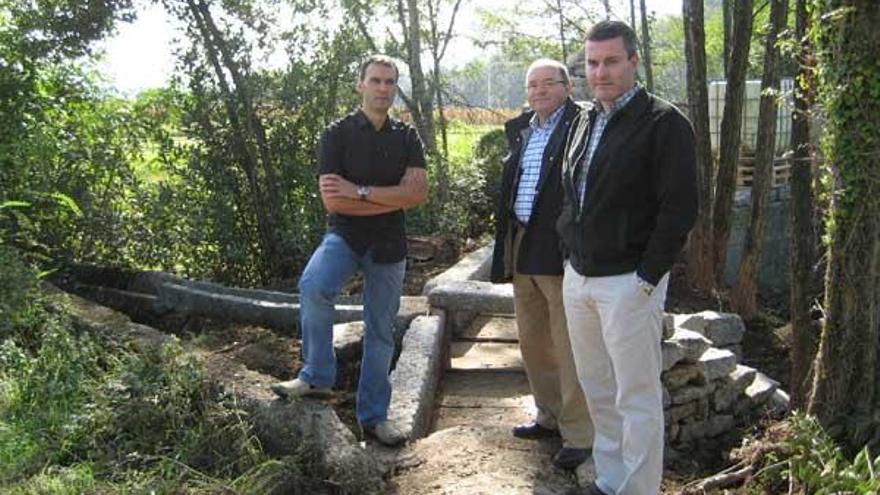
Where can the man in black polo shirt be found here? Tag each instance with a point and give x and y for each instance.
(372, 168)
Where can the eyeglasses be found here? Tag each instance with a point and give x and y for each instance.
(543, 85)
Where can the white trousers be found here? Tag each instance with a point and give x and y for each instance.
(615, 330)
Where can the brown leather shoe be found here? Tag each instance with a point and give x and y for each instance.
(534, 431)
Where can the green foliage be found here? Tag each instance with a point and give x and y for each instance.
(849, 92)
(80, 412)
(816, 465)
(17, 283)
(474, 188)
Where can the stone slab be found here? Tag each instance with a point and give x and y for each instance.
(723, 329)
(779, 403)
(761, 389)
(668, 325)
(474, 266)
(691, 393)
(473, 296)
(348, 340)
(470, 398)
(683, 374)
(491, 328)
(279, 316)
(708, 428)
(416, 376)
(672, 354)
(730, 388)
(282, 317)
(137, 305)
(717, 363)
(489, 356)
(692, 344)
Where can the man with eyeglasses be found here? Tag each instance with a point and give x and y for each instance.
(527, 252)
(630, 199)
(372, 167)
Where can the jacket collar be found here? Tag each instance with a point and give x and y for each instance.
(513, 126)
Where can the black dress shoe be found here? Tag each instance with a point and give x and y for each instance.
(590, 489)
(534, 431)
(568, 458)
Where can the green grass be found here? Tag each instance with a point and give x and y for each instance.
(81, 413)
(462, 140)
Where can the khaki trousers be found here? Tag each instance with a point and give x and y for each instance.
(615, 331)
(547, 357)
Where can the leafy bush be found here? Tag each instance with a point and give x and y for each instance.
(17, 283)
(473, 194)
(80, 412)
(815, 464)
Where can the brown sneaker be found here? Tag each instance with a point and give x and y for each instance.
(298, 388)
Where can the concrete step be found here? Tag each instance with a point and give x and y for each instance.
(491, 328)
(486, 356)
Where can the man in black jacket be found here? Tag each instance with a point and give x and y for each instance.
(527, 252)
(629, 181)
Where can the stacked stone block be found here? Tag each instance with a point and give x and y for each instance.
(705, 392)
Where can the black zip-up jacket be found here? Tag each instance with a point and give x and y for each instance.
(641, 195)
(540, 252)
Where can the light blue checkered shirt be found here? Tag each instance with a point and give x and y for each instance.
(530, 162)
(596, 135)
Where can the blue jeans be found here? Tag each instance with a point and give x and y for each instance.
(331, 265)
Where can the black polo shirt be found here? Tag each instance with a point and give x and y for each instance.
(353, 148)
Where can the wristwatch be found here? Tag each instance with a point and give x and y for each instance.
(363, 192)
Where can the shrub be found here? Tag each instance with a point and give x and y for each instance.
(474, 190)
(80, 412)
(813, 463)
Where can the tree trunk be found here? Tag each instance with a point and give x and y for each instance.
(731, 123)
(243, 151)
(255, 141)
(422, 106)
(845, 390)
(700, 269)
(562, 31)
(727, 24)
(632, 15)
(803, 236)
(745, 291)
(646, 49)
(439, 42)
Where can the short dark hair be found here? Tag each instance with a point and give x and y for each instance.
(608, 30)
(378, 59)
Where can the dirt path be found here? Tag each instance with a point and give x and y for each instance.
(472, 451)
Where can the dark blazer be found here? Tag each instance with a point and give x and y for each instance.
(641, 196)
(540, 252)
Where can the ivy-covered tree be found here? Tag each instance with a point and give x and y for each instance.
(846, 387)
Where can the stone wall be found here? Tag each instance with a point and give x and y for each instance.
(705, 392)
